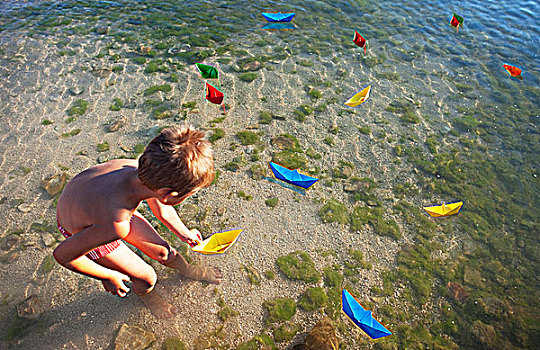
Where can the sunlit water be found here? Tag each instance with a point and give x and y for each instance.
(475, 136)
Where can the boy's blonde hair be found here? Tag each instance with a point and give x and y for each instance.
(180, 158)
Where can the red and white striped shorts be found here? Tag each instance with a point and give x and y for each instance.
(97, 253)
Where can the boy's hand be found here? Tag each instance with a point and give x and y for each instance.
(194, 237)
(115, 284)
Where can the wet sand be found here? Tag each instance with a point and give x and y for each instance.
(76, 312)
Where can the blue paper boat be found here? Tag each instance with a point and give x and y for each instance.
(278, 17)
(292, 176)
(361, 317)
(278, 26)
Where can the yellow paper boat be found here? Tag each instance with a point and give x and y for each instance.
(218, 243)
(446, 209)
(359, 98)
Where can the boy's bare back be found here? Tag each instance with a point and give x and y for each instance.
(97, 195)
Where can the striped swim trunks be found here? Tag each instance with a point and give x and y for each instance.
(97, 253)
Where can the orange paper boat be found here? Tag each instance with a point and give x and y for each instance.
(513, 71)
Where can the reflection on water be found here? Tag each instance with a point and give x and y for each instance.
(445, 122)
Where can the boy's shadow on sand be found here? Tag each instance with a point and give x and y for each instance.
(92, 315)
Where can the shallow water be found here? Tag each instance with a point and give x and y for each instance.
(444, 122)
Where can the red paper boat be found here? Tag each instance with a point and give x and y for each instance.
(360, 41)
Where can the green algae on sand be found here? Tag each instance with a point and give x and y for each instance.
(279, 310)
(298, 266)
(78, 108)
(334, 211)
(313, 299)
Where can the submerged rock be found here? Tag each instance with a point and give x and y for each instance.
(283, 142)
(473, 277)
(252, 274)
(173, 344)
(357, 186)
(54, 184)
(322, 336)
(133, 338)
(117, 123)
(48, 239)
(24, 208)
(456, 291)
(257, 171)
(179, 48)
(102, 30)
(101, 72)
(9, 242)
(494, 308)
(28, 308)
(483, 336)
(76, 91)
(221, 211)
(10, 257)
(252, 66)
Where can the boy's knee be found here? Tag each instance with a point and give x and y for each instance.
(144, 285)
(165, 255)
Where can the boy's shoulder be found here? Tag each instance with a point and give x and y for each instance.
(115, 164)
(109, 167)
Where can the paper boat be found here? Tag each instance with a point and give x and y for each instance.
(360, 41)
(278, 25)
(278, 17)
(456, 21)
(359, 98)
(361, 317)
(292, 176)
(446, 209)
(513, 71)
(207, 71)
(218, 243)
(213, 94)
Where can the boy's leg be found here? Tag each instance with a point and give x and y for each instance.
(144, 237)
(142, 276)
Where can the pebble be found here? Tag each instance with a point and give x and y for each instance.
(54, 97)
(252, 66)
(9, 242)
(102, 30)
(282, 142)
(54, 184)
(133, 338)
(221, 210)
(24, 208)
(29, 308)
(76, 91)
(48, 239)
(445, 129)
(10, 257)
(178, 49)
(117, 123)
(111, 82)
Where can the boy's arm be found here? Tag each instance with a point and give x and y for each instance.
(169, 217)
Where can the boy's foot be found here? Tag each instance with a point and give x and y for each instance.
(208, 274)
(158, 306)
